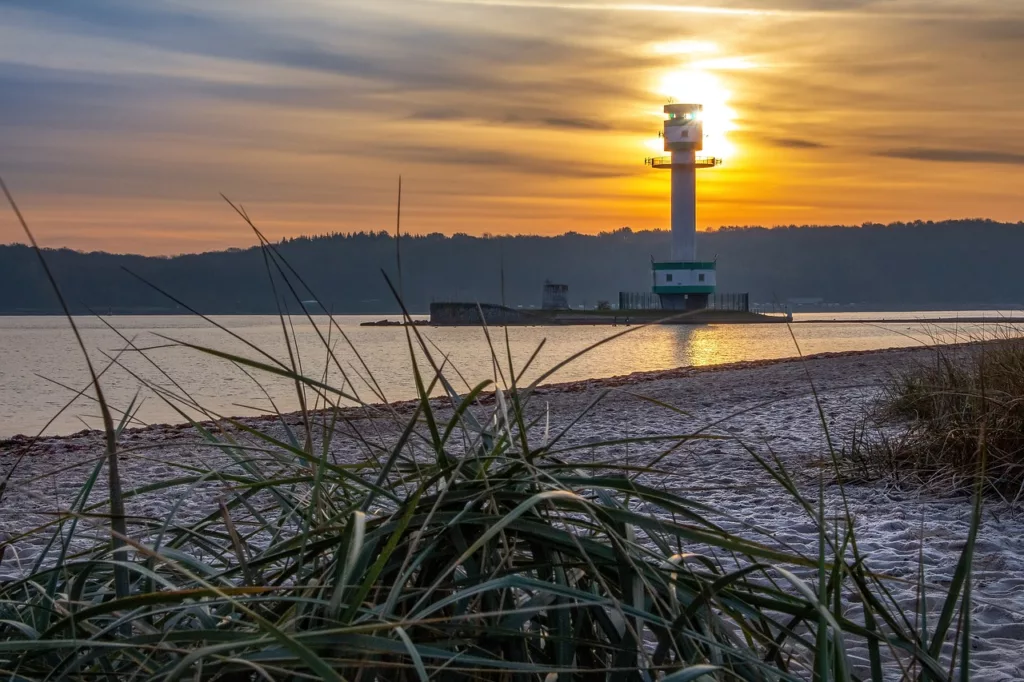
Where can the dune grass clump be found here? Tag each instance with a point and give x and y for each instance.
(967, 403)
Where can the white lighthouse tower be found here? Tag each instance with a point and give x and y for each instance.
(683, 282)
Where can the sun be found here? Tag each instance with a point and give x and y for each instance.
(700, 82)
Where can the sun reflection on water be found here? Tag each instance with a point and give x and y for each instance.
(705, 347)
(683, 346)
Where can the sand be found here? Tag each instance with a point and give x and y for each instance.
(764, 406)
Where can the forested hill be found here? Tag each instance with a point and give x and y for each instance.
(919, 264)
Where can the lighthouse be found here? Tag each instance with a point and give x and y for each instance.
(683, 282)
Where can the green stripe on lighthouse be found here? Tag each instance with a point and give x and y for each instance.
(684, 290)
(684, 265)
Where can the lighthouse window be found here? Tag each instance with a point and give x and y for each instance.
(668, 278)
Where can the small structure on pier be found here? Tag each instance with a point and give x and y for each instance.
(556, 296)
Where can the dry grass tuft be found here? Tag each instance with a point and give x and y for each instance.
(966, 400)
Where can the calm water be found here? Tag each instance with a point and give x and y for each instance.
(41, 367)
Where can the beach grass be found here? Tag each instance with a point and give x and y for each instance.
(965, 403)
(470, 541)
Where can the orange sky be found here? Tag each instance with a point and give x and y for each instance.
(123, 121)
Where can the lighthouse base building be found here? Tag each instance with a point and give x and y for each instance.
(683, 285)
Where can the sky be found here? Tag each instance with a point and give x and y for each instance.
(122, 122)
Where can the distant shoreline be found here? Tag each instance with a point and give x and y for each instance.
(171, 313)
(918, 320)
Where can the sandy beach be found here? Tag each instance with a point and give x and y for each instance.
(767, 407)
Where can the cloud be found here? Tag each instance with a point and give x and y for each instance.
(956, 155)
(795, 143)
(526, 119)
(737, 9)
(600, 6)
(501, 160)
(571, 123)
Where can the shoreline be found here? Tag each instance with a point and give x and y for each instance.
(405, 406)
(920, 320)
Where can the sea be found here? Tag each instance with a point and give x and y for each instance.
(165, 369)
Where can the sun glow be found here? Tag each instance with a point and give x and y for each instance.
(685, 47)
(699, 82)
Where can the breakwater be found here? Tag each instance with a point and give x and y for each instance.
(473, 314)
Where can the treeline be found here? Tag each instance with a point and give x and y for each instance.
(920, 264)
